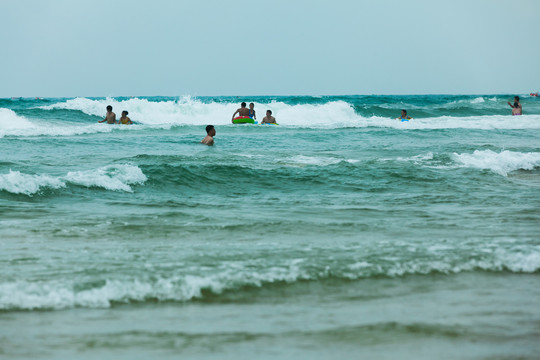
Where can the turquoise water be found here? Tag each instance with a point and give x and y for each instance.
(340, 232)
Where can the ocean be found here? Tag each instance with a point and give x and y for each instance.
(340, 233)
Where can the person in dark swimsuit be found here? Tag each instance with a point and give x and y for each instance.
(251, 113)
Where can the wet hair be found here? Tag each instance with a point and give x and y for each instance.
(251, 104)
(269, 111)
(109, 107)
(209, 128)
(405, 111)
(516, 98)
(125, 111)
(243, 104)
(516, 104)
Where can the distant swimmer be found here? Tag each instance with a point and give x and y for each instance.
(243, 111)
(110, 118)
(251, 113)
(404, 116)
(268, 119)
(210, 133)
(516, 108)
(124, 118)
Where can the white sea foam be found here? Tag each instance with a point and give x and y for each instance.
(470, 122)
(12, 124)
(55, 295)
(61, 294)
(113, 177)
(333, 114)
(312, 160)
(501, 163)
(16, 182)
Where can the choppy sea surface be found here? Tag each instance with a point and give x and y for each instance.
(342, 232)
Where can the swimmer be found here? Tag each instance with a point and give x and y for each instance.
(243, 111)
(209, 139)
(404, 116)
(251, 113)
(110, 118)
(124, 118)
(516, 108)
(268, 119)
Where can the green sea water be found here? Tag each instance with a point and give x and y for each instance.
(340, 232)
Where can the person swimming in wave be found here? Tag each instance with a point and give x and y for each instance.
(210, 133)
(268, 119)
(251, 113)
(124, 118)
(516, 108)
(242, 111)
(404, 116)
(110, 117)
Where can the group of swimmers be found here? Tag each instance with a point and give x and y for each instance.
(110, 117)
(243, 111)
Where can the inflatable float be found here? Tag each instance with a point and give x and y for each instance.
(243, 120)
(534, 94)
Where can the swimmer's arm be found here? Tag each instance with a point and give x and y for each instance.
(512, 106)
(236, 112)
(254, 116)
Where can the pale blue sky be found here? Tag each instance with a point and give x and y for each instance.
(159, 47)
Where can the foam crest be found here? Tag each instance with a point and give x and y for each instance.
(12, 123)
(500, 163)
(16, 182)
(189, 111)
(311, 160)
(113, 177)
(448, 122)
(56, 294)
(332, 114)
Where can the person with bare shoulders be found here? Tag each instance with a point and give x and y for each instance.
(210, 133)
(242, 111)
(268, 119)
(110, 117)
(516, 108)
(251, 113)
(124, 119)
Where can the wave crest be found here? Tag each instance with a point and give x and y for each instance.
(500, 163)
(113, 177)
(239, 277)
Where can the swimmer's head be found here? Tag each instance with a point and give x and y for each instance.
(251, 105)
(268, 112)
(109, 108)
(210, 130)
(516, 98)
(124, 113)
(404, 112)
(243, 104)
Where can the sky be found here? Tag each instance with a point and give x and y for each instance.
(69, 48)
